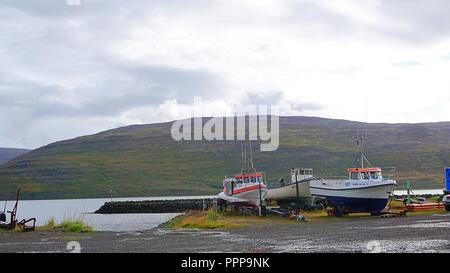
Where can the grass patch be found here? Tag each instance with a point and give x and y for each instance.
(428, 212)
(210, 219)
(50, 224)
(75, 224)
(214, 215)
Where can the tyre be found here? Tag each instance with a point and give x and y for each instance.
(339, 211)
(447, 207)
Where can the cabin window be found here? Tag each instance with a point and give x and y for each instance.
(354, 176)
(365, 176)
(380, 176)
(246, 180)
(253, 179)
(374, 175)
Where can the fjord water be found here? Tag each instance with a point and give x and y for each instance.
(61, 209)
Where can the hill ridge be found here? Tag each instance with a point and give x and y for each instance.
(143, 159)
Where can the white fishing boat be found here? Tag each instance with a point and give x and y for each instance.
(296, 191)
(248, 188)
(365, 189)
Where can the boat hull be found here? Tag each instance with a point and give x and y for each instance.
(361, 198)
(250, 197)
(286, 195)
(351, 204)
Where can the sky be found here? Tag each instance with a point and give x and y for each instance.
(76, 67)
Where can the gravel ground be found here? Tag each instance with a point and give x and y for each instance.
(427, 233)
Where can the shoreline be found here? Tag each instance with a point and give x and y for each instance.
(402, 192)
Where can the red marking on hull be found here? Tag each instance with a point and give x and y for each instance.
(248, 189)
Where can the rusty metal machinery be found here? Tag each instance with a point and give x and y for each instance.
(23, 224)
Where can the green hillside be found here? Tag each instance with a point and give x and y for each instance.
(7, 154)
(143, 160)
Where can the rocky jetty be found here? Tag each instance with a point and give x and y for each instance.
(157, 206)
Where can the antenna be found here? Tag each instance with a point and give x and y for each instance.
(245, 167)
(360, 138)
(362, 149)
(242, 157)
(251, 156)
(365, 114)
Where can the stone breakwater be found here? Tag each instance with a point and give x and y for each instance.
(157, 206)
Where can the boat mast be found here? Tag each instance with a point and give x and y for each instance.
(247, 162)
(243, 158)
(362, 136)
(362, 151)
(251, 157)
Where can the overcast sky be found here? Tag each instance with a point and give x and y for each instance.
(70, 70)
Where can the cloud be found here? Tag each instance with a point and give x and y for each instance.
(268, 98)
(307, 106)
(423, 21)
(73, 70)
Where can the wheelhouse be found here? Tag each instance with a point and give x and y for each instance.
(250, 178)
(365, 174)
(299, 174)
(242, 182)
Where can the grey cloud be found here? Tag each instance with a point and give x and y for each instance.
(311, 16)
(422, 22)
(96, 8)
(56, 66)
(145, 86)
(55, 59)
(47, 44)
(307, 106)
(63, 9)
(30, 109)
(266, 98)
(176, 83)
(426, 21)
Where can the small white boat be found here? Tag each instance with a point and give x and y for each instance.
(365, 190)
(246, 189)
(296, 191)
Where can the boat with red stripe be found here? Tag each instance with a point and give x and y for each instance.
(248, 188)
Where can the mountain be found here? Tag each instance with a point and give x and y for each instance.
(7, 154)
(143, 160)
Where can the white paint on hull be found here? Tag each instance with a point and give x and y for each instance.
(352, 189)
(289, 191)
(251, 197)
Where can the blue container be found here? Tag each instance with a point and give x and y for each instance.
(447, 178)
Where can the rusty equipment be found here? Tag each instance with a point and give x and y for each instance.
(23, 224)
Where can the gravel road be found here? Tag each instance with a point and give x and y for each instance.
(427, 233)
